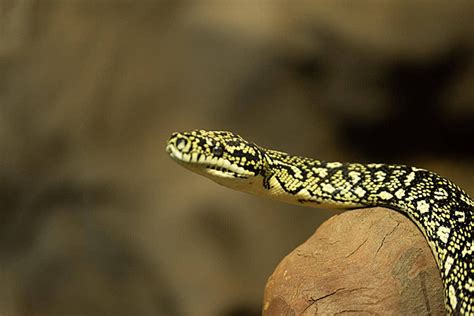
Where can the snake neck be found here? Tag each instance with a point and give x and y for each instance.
(314, 183)
(323, 184)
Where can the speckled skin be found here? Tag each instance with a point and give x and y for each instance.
(441, 209)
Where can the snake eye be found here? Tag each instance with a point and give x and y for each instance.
(181, 143)
(218, 151)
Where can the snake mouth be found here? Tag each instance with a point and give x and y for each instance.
(223, 172)
(214, 166)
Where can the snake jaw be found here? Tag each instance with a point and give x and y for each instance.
(208, 166)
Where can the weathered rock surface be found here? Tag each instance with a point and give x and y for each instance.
(373, 261)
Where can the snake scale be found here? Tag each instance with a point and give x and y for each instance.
(441, 209)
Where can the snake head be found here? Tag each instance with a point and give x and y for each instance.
(218, 155)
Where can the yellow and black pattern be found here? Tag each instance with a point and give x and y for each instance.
(441, 209)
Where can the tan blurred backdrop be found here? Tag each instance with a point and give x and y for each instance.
(97, 220)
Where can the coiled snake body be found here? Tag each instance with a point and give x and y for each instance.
(441, 209)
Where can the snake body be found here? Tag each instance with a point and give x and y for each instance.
(441, 209)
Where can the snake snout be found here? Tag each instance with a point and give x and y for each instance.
(178, 141)
(179, 147)
(181, 143)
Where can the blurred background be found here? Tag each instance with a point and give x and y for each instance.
(97, 220)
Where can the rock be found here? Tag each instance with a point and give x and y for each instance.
(363, 261)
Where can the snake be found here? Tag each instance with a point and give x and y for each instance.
(441, 209)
